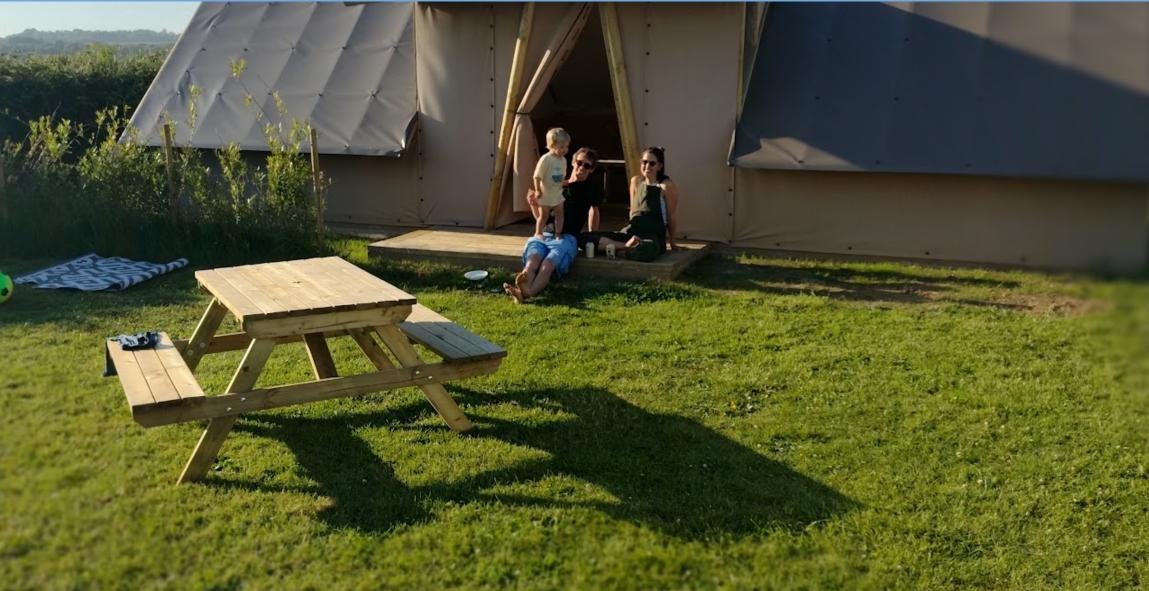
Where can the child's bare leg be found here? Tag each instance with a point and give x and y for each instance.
(541, 220)
(558, 209)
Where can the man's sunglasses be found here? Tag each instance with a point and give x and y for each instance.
(583, 164)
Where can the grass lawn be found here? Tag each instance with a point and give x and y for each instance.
(763, 423)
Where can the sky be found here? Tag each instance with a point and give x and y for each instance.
(94, 16)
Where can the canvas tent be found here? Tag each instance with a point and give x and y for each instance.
(1001, 133)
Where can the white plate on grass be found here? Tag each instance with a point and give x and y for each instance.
(476, 275)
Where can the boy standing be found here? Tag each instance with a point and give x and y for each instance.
(548, 181)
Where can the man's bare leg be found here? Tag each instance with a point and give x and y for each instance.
(540, 281)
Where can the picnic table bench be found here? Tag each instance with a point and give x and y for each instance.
(286, 302)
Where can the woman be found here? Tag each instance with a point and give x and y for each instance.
(653, 206)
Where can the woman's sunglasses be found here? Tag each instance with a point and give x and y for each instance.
(583, 164)
(649, 162)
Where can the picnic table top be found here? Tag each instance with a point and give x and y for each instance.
(299, 288)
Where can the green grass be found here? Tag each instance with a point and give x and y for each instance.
(757, 424)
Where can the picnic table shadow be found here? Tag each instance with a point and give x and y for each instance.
(665, 471)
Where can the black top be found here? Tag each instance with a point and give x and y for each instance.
(580, 197)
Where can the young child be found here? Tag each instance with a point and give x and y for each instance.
(548, 181)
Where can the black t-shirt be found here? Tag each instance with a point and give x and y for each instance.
(580, 197)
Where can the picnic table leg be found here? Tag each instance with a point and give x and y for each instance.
(204, 331)
(320, 356)
(218, 428)
(436, 394)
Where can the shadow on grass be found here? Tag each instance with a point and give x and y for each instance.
(847, 284)
(665, 471)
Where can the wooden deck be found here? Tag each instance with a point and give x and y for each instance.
(483, 250)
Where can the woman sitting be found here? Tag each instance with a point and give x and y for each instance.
(653, 202)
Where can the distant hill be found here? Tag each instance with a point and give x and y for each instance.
(32, 41)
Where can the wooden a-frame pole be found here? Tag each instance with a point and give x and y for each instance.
(612, 39)
(518, 64)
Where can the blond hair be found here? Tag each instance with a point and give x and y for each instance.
(557, 136)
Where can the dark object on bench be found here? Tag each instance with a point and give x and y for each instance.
(129, 342)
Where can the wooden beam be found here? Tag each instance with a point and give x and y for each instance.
(316, 185)
(233, 404)
(220, 424)
(170, 171)
(612, 38)
(198, 345)
(320, 355)
(518, 64)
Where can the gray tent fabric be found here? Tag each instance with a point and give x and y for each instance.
(348, 70)
(1044, 90)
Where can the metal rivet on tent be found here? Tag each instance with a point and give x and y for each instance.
(967, 165)
(829, 39)
(648, 53)
(895, 99)
(801, 162)
(645, 123)
(927, 253)
(245, 49)
(817, 98)
(646, 90)
(849, 248)
(906, 39)
(877, 162)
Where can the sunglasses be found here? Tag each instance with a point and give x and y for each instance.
(649, 162)
(583, 164)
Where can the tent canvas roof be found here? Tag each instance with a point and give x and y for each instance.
(349, 71)
(1029, 90)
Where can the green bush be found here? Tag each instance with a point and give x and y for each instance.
(72, 87)
(113, 197)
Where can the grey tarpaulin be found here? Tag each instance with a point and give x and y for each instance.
(1029, 90)
(349, 70)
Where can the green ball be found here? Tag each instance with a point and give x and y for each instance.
(6, 287)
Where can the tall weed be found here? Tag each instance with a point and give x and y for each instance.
(73, 189)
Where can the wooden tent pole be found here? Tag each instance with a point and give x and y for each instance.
(170, 170)
(316, 188)
(518, 65)
(619, 83)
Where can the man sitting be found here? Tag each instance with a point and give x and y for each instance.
(552, 257)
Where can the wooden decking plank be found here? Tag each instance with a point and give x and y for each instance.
(178, 372)
(131, 376)
(163, 390)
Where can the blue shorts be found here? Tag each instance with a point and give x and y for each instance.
(561, 253)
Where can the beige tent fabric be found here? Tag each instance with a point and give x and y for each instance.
(681, 61)
(457, 88)
(1058, 224)
(524, 147)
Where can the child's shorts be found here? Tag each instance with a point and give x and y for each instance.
(551, 200)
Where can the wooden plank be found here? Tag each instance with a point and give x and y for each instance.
(510, 106)
(264, 290)
(292, 302)
(435, 393)
(370, 348)
(299, 325)
(620, 84)
(320, 355)
(197, 346)
(178, 372)
(209, 443)
(376, 289)
(163, 390)
(419, 333)
(135, 385)
(225, 292)
(452, 332)
(226, 405)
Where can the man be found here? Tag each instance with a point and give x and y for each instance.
(552, 256)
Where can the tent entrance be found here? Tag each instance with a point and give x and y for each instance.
(571, 85)
(579, 99)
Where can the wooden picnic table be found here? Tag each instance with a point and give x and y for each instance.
(309, 300)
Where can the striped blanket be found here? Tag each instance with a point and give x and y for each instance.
(95, 273)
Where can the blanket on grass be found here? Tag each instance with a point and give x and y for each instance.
(92, 272)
